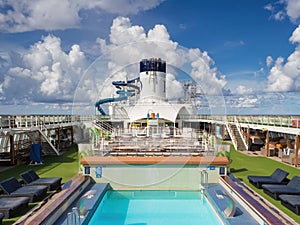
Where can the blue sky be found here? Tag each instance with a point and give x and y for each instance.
(249, 49)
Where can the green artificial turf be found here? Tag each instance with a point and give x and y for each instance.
(65, 166)
(243, 165)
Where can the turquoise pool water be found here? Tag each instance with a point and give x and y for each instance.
(154, 208)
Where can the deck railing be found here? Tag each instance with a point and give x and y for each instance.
(23, 121)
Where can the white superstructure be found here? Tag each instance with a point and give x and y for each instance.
(143, 100)
(153, 80)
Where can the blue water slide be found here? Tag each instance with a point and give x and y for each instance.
(118, 84)
(123, 95)
(107, 100)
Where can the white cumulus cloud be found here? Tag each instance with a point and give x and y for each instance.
(242, 90)
(133, 43)
(285, 8)
(128, 44)
(285, 75)
(45, 73)
(269, 61)
(122, 32)
(20, 16)
(293, 9)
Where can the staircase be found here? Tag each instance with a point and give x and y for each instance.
(239, 138)
(236, 134)
(104, 125)
(231, 134)
(37, 134)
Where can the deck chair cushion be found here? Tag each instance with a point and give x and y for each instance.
(33, 175)
(10, 185)
(31, 178)
(13, 187)
(294, 183)
(10, 206)
(36, 190)
(26, 177)
(274, 190)
(293, 200)
(279, 175)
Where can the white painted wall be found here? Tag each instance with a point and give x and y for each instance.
(158, 176)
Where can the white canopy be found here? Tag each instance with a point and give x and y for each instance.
(165, 110)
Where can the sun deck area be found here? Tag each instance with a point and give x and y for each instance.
(184, 161)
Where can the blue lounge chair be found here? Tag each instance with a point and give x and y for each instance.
(1, 217)
(277, 177)
(292, 202)
(274, 190)
(13, 187)
(31, 178)
(11, 206)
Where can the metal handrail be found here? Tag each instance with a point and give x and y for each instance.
(231, 206)
(73, 217)
(231, 134)
(204, 179)
(12, 121)
(242, 135)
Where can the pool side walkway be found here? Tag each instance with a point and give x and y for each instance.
(97, 191)
(272, 214)
(216, 195)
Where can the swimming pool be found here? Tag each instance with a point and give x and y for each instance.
(154, 208)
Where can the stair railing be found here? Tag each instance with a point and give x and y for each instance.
(238, 126)
(103, 125)
(231, 134)
(48, 141)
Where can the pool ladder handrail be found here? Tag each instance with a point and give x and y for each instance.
(231, 206)
(76, 213)
(204, 179)
(73, 217)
